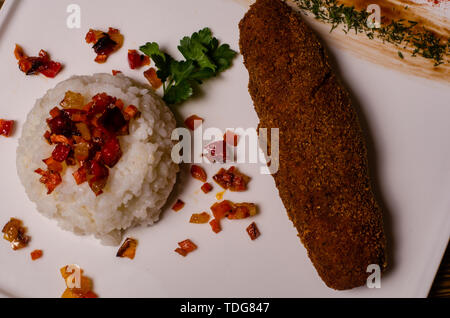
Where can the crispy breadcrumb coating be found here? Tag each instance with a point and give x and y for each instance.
(323, 177)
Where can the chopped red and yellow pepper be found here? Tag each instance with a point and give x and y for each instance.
(185, 247)
(6, 127)
(199, 218)
(14, 232)
(253, 231)
(128, 248)
(78, 285)
(231, 179)
(36, 254)
(42, 64)
(104, 43)
(87, 135)
(198, 173)
(178, 205)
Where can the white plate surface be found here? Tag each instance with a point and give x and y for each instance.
(409, 123)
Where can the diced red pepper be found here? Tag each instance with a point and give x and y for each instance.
(153, 78)
(50, 179)
(80, 175)
(206, 187)
(53, 165)
(136, 60)
(181, 252)
(253, 231)
(221, 210)
(215, 226)
(115, 72)
(198, 173)
(131, 111)
(178, 205)
(111, 152)
(55, 112)
(193, 122)
(6, 127)
(61, 152)
(51, 69)
(231, 179)
(187, 245)
(36, 254)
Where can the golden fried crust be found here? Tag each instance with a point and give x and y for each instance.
(323, 177)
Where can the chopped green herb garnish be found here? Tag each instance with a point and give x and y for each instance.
(402, 33)
(400, 54)
(204, 58)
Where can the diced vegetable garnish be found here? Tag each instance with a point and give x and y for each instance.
(152, 78)
(36, 254)
(34, 65)
(6, 127)
(242, 211)
(215, 225)
(104, 44)
(193, 121)
(199, 218)
(232, 210)
(14, 232)
(186, 247)
(50, 179)
(206, 187)
(231, 179)
(198, 173)
(87, 135)
(78, 285)
(115, 72)
(253, 231)
(178, 205)
(221, 210)
(231, 138)
(128, 248)
(136, 60)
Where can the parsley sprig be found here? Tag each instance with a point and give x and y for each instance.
(204, 58)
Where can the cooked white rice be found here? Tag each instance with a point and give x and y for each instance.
(138, 186)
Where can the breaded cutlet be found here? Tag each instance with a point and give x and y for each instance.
(323, 177)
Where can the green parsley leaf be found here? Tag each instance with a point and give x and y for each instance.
(204, 58)
(162, 60)
(178, 93)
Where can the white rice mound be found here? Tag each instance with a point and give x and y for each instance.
(138, 186)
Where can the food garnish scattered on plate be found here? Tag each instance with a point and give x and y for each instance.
(6, 127)
(179, 204)
(253, 231)
(128, 248)
(78, 285)
(32, 65)
(36, 254)
(15, 233)
(185, 247)
(104, 43)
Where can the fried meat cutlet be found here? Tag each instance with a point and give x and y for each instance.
(323, 177)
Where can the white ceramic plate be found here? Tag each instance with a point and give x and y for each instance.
(409, 123)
